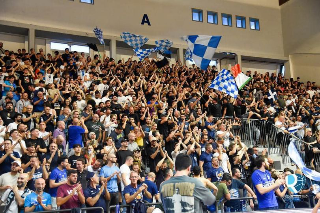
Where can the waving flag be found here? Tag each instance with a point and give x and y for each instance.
(202, 48)
(164, 45)
(188, 55)
(240, 78)
(98, 33)
(143, 53)
(135, 41)
(225, 82)
(272, 95)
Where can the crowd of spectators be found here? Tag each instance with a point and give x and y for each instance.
(77, 131)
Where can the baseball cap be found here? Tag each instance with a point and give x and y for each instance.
(90, 175)
(76, 145)
(17, 162)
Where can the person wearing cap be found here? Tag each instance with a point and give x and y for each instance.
(155, 154)
(77, 154)
(117, 136)
(7, 180)
(96, 195)
(7, 156)
(38, 200)
(123, 152)
(14, 198)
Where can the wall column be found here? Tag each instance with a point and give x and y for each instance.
(180, 55)
(239, 60)
(31, 39)
(113, 49)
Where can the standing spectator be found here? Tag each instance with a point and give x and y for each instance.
(215, 173)
(60, 130)
(37, 171)
(15, 198)
(264, 185)
(174, 198)
(70, 195)
(29, 118)
(8, 156)
(110, 173)
(155, 154)
(82, 173)
(57, 178)
(9, 179)
(75, 132)
(96, 126)
(23, 103)
(117, 136)
(8, 114)
(38, 102)
(14, 125)
(206, 159)
(123, 153)
(152, 188)
(96, 167)
(77, 154)
(38, 200)
(39, 142)
(48, 118)
(53, 155)
(96, 195)
(125, 176)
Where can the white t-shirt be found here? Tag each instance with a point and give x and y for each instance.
(90, 169)
(81, 104)
(14, 206)
(124, 169)
(226, 137)
(17, 148)
(7, 179)
(44, 134)
(12, 126)
(49, 79)
(224, 162)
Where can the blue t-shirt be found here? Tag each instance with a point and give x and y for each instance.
(6, 164)
(107, 171)
(75, 135)
(215, 174)
(92, 192)
(206, 158)
(58, 176)
(210, 132)
(130, 190)
(5, 90)
(152, 188)
(268, 199)
(234, 190)
(40, 106)
(37, 174)
(31, 200)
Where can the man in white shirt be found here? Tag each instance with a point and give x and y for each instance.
(81, 104)
(132, 145)
(125, 172)
(103, 86)
(14, 125)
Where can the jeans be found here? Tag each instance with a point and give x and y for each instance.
(114, 200)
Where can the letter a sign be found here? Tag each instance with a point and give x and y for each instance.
(145, 19)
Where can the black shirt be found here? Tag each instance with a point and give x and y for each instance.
(73, 160)
(38, 141)
(122, 155)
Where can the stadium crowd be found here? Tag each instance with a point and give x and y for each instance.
(77, 131)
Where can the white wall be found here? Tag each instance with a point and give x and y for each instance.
(260, 67)
(169, 19)
(306, 66)
(13, 42)
(41, 43)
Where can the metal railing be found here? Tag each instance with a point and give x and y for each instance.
(69, 210)
(130, 206)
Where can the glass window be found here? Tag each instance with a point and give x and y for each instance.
(212, 17)
(197, 15)
(58, 46)
(241, 22)
(254, 24)
(87, 1)
(226, 19)
(79, 48)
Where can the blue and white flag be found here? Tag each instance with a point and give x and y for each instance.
(164, 45)
(188, 55)
(202, 48)
(272, 95)
(296, 158)
(135, 41)
(98, 32)
(143, 53)
(293, 129)
(225, 82)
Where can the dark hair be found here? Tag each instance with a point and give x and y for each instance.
(71, 171)
(234, 170)
(259, 160)
(250, 151)
(30, 144)
(166, 172)
(183, 161)
(12, 131)
(226, 177)
(196, 170)
(82, 160)
(61, 159)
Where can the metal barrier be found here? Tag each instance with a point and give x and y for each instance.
(69, 210)
(130, 206)
(233, 199)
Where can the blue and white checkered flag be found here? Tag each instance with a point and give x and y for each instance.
(135, 41)
(225, 82)
(188, 55)
(203, 48)
(163, 45)
(143, 53)
(98, 32)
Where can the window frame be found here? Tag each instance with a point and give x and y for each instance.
(83, 1)
(212, 12)
(256, 20)
(229, 17)
(242, 18)
(199, 10)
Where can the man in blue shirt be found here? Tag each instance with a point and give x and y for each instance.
(75, 132)
(152, 188)
(96, 196)
(111, 174)
(215, 173)
(39, 200)
(205, 159)
(57, 178)
(264, 185)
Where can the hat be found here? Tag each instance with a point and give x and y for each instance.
(76, 145)
(153, 138)
(124, 140)
(137, 150)
(90, 175)
(17, 162)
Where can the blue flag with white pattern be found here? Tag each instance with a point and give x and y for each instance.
(133, 40)
(143, 53)
(188, 55)
(202, 48)
(225, 82)
(164, 45)
(98, 32)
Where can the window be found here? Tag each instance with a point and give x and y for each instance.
(212, 17)
(58, 46)
(254, 24)
(226, 19)
(241, 22)
(79, 48)
(197, 15)
(87, 1)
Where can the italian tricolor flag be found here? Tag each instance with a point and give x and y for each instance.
(240, 78)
